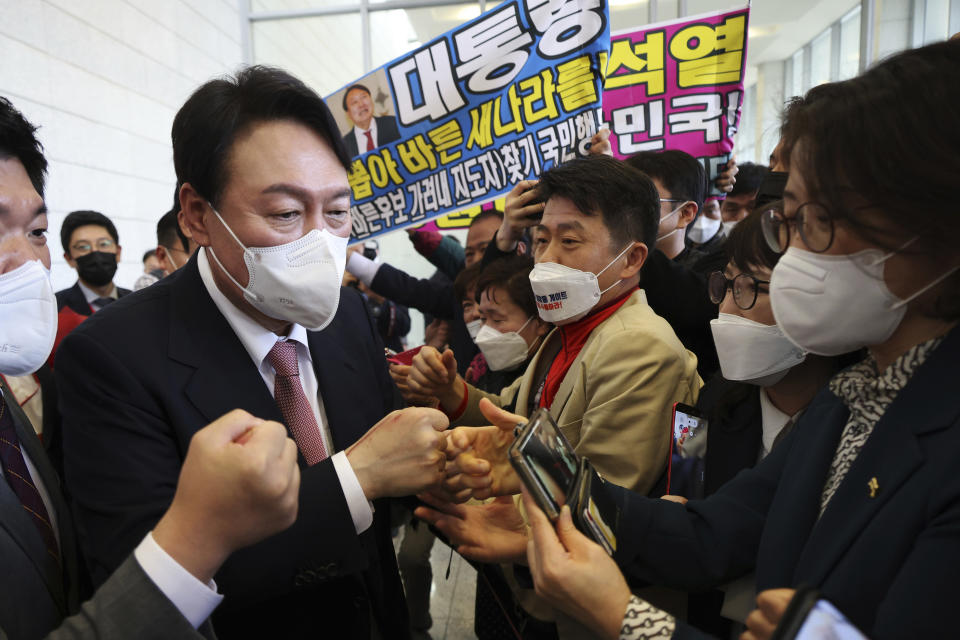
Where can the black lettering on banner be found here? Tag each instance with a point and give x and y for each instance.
(492, 51)
(566, 25)
(431, 70)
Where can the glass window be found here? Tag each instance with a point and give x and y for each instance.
(936, 21)
(850, 45)
(796, 85)
(258, 6)
(820, 59)
(325, 52)
(399, 31)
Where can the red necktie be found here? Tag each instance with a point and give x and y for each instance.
(288, 392)
(369, 140)
(18, 477)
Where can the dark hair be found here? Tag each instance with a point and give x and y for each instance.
(487, 213)
(749, 177)
(512, 275)
(169, 233)
(746, 246)
(351, 88)
(77, 219)
(879, 152)
(625, 198)
(149, 253)
(17, 140)
(466, 280)
(211, 119)
(679, 172)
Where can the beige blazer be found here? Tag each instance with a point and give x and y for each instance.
(615, 403)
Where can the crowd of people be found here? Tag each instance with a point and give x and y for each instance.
(229, 450)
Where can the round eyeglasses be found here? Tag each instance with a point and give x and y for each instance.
(811, 221)
(745, 288)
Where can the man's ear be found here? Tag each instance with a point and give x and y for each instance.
(543, 328)
(119, 251)
(636, 256)
(192, 216)
(163, 258)
(687, 214)
(70, 261)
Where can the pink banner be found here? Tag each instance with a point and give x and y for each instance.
(678, 85)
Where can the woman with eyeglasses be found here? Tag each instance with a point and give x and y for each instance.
(862, 499)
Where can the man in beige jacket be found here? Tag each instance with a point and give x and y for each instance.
(612, 369)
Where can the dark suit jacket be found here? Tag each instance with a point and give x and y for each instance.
(36, 594)
(74, 299)
(129, 418)
(887, 561)
(386, 132)
(430, 297)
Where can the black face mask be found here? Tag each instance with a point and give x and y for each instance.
(771, 188)
(97, 267)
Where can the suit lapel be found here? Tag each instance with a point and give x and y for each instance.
(537, 371)
(888, 459)
(77, 301)
(224, 376)
(18, 523)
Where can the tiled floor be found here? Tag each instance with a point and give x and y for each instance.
(451, 599)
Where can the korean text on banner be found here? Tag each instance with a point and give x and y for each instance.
(678, 85)
(464, 118)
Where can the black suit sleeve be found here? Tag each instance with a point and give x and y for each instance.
(704, 543)
(428, 296)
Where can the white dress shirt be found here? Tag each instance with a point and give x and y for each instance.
(360, 135)
(773, 421)
(258, 341)
(92, 295)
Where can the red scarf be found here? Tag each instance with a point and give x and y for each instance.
(573, 337)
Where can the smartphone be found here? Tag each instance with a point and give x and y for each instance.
(810, 616)
(689, 431)
(405, 357)
(545, 461)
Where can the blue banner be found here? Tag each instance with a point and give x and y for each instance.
(464, 118)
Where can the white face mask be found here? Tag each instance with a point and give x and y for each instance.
(728, 227)
(473, 328)
(834, 304)
(703, 228)
(503, 350)
(753, 352)
(564, 294)
(662, 218)
(298, 281)
(28, 319)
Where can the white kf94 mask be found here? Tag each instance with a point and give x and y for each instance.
(298, 281)
(753, 352)
(28, 319)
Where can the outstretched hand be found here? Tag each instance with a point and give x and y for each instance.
(479, 455)
(492, 532)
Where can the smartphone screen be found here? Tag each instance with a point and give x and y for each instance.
(551, 459)
(689, 431)
(825, 621)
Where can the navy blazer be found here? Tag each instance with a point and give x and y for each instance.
(141, 376)
(73, 298)
(888, 558)
(387, 132)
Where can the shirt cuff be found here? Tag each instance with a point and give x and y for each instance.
(361, 509)
(363, 267)
(643, 621)
(193, 599)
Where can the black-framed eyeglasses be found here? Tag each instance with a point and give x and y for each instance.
(745, 288)
(811, 221)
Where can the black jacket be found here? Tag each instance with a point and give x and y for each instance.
(73, 298)
(139, 378)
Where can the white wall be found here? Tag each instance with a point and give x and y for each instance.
(103, 79)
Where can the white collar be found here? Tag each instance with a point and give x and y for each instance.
(256, 339)
(372, 129)
(90, 295)
(772, 420)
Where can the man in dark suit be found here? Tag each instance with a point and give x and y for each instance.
(368, 132)
(265, 195)
(163, 589)
(91, 246)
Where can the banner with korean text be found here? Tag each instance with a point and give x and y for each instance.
(678, 85)
(462, 119)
